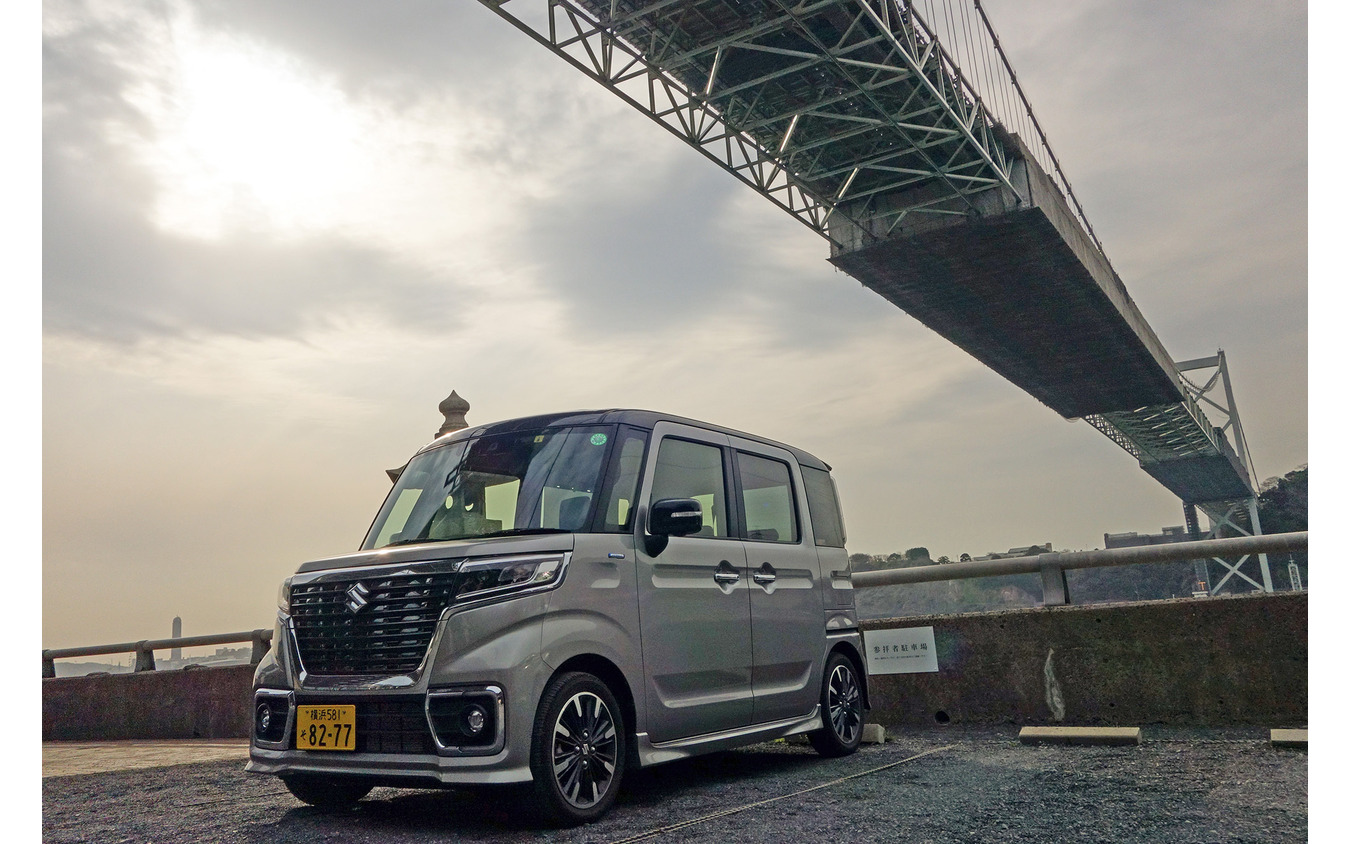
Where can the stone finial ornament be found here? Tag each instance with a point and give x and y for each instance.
(453, 409)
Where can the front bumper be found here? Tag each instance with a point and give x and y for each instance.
(404, 739)
(409, 770)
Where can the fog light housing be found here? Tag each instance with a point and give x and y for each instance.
(271, 712)
(467, 721)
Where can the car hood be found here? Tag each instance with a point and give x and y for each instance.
(456, 549)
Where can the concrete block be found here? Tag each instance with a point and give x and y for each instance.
(1079, 735)
(1289, 738)
(873, 734)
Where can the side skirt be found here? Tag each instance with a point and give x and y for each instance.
(653, 753)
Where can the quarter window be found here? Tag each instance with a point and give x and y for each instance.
(826, 522)
(627, 466)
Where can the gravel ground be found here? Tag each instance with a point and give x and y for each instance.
(974, 784)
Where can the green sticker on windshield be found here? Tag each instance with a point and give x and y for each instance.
(599, 439)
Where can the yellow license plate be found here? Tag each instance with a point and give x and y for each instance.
(325, 727)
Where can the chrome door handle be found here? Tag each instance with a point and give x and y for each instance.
(726, 576)
(765, 575)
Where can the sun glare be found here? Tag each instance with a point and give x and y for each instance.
(246, 138)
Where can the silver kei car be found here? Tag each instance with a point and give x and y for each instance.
(553, 600)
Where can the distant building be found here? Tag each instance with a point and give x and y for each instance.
(1134, 540)
(1176, 533)
(1024, 551)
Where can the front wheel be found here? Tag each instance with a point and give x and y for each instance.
(578, 749)
(841, 705)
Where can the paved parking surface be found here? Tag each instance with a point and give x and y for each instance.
(70, 758)
(957, 784)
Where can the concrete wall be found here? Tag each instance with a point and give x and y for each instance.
(197, 703)
(1208, 661)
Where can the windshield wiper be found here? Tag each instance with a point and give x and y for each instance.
(519, 532)
(493, 534)
(415, 540)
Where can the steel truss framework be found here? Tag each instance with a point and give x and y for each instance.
(853, 110)
(822, 106)
(1182, 432)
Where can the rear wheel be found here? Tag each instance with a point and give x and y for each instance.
(327, 792)
(841, 706)
(578, 749)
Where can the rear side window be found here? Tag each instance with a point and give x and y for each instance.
(826, 521)
(766, 494)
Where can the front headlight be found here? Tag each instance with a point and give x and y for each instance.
(510, 574)
(284, 596)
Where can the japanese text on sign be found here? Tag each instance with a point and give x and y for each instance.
(910, 650)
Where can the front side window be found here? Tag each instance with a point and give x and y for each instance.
(766, 494)
(536, 481)
(693, 470)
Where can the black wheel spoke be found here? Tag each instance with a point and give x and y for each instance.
(844, 704)
(585, 745)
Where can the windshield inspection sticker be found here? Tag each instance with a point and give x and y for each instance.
(909, 650)
(599, 439)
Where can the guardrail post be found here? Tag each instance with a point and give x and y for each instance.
(145, 658)
(260, 647)
(1054, 583)
(48, 666)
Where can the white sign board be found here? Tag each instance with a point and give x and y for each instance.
(909, 650)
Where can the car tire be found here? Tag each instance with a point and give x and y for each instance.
(577, 750)
(327, 792)
(841, 707)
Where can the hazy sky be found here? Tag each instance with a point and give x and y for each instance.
(275, 235)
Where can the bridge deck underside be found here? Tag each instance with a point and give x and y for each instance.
(849, 115)
(1011, 292)
(1199, 479)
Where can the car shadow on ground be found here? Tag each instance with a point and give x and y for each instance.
(502, 813)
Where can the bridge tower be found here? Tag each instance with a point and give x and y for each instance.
(1226, 516)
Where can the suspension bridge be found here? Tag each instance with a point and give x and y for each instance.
(898, 131)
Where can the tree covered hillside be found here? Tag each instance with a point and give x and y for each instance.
(1282, 506)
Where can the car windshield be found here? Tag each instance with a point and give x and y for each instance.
(537, 481)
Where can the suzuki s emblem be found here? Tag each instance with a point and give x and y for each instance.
(356, 597)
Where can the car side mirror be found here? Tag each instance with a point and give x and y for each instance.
(675, 517)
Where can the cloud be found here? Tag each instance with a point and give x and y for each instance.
(273, 327)
(118, 267)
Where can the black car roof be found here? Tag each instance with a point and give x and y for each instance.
(614, 416)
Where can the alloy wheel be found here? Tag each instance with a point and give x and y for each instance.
(845, 703)
(585, 750)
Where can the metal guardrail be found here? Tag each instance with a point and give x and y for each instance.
(145, 649)
(1053, 565)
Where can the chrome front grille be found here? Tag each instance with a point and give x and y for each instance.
(368, 624)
